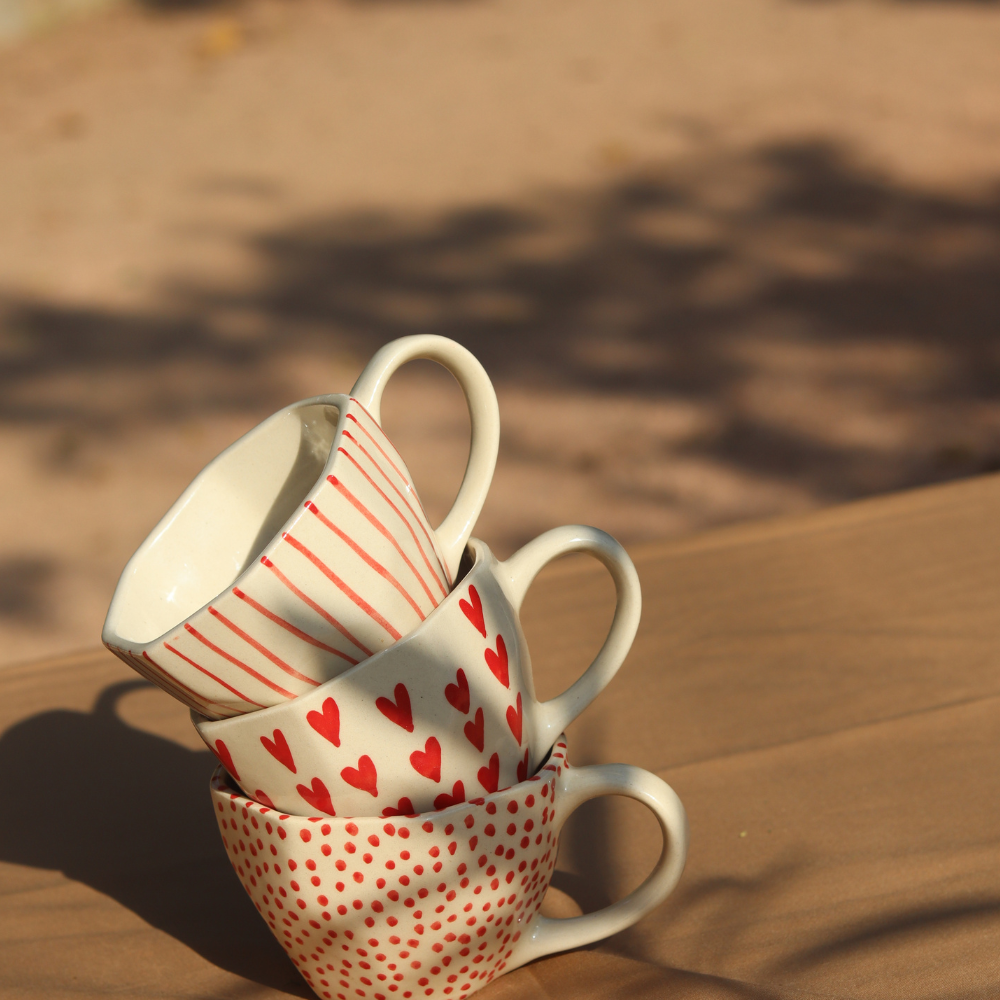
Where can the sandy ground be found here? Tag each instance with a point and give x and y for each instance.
(723, 259)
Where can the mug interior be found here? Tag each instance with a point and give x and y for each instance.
(223, 521)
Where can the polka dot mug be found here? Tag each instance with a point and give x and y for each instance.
(438, 904)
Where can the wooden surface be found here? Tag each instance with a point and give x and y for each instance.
(822, 692)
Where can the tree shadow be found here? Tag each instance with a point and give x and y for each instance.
(23, 583)
(785, 318)
(901, 927)
(142, 832)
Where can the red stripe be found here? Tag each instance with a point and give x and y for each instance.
(209, 673)
(409, 485)
(399, 493)
(378, 567)
(304, 636)
(181, 686)
(334, 579)
(261, 648)
(142, 670)
(381, 493)
(351, 416)
(379, 526)
(237, 663)
(312, 604)
(167, 683)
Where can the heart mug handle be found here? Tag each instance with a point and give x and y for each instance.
(484, 413)
(551, 717)
(578, 785)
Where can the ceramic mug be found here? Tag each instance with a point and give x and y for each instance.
(301, 550)
(438, 904)
(445, 714)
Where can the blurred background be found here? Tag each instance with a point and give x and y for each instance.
(724, 259)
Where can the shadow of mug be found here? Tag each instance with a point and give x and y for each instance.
(94, 771)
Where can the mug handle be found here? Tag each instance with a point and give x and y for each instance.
(551, 717)
(453, 532)
(578, 785)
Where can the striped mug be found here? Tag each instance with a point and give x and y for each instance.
(301, 550)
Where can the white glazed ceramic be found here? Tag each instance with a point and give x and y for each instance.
(301, 550)
(438, 904)
(444, 715)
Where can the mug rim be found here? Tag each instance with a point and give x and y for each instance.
(481, 555)
(110, 634)
(222, 781)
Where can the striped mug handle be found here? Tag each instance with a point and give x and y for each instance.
(454, 531)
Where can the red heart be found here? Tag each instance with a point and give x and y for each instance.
(225, 758)
(398, 711)
(279, 749)
(514, 719)
(474, 731)
(458, 694)
(522, 767)
(327, 722)
(363, 776)
(489, 777)
(474, 611)
(263, 799)
(403, 808)
(317, 796)
(457, 795)
(497, 662)
(428, 761)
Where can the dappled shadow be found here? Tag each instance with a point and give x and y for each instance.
(786, 316)
(23, 585)
(142, 830)
(904, 926)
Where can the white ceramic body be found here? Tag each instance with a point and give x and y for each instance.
(300, 550)
(445, 714)
(438, 904)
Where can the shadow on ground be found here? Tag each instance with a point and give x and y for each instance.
(812, 321)
(144, 833)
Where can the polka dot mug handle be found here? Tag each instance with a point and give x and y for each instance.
(484, 413)
(551, 717)
(550, 935)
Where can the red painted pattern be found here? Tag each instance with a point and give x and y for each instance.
(208, 673)
(399, 472)
(402, 496)
(381, 528)
(190, 697)
(375, 564)
(304, 636)
(260, 647)
(341, 585)
(322, 612)
(236, 662)
(378, 489)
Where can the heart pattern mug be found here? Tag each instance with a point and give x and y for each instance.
(301, 550)
(438, 904)
(444, 715)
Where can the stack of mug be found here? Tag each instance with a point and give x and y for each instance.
(390, 790)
